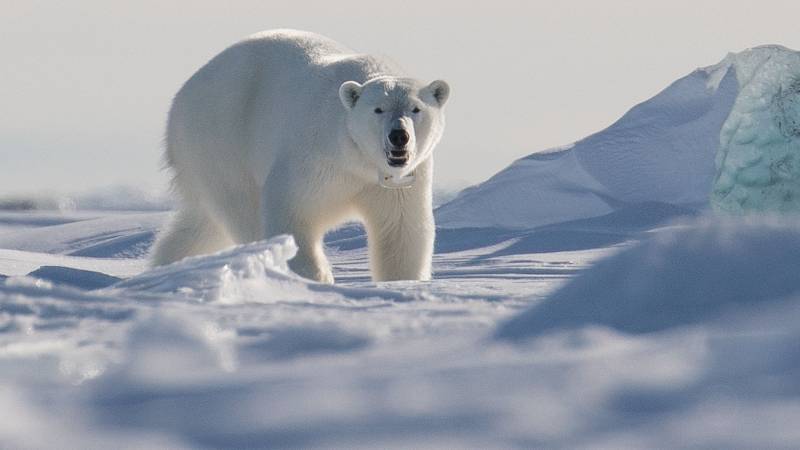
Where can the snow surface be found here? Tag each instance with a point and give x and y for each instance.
(682, 276)
(759, 158)
(693, 342)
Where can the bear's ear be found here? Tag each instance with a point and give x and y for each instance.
(349, 92)
(438, 91)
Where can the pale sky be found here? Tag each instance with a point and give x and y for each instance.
(85, 85)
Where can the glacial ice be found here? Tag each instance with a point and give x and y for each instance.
(758, 161)
(725, 136)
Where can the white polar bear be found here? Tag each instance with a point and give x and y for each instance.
(290, 132)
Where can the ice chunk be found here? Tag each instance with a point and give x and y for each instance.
(758, 162)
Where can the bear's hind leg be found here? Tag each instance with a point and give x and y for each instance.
(310, 261)
(190, 233)
(306, 228)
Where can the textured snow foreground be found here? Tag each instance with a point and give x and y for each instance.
(688, 338)
(582, 298)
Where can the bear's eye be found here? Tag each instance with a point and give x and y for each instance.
(415, 110)
(378, 111)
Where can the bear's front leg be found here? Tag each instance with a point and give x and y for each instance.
(400, 236)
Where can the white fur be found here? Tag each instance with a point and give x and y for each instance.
(279, 134)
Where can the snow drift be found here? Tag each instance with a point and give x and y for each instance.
(84, 234)
(252, 272)
(171, 359)
(680, 276)
(662, 150)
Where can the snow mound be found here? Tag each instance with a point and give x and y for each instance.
(759, 156)
(662, 150)
(537, 190)
(82, 279)
(728, 134)
(115, 236)
(256, 272)
(681, 276)
(250, 273)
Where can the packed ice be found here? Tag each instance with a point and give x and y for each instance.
(758, 163)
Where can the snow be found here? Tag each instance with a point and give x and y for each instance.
(757, 162)
(232, 276)
(582, 298)
(693, 344)
(714, 309)
(681, 276)
(537, 190)
(120, 235)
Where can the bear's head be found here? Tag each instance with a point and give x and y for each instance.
(395, 122)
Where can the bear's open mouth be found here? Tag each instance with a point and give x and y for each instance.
(397, 162)
(397, 158)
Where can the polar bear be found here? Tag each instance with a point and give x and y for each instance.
(291, 132)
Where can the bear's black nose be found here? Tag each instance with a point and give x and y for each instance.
(399, 137)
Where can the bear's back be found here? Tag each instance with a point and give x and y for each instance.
(294, 44)
(282, 60)
(294, 51)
